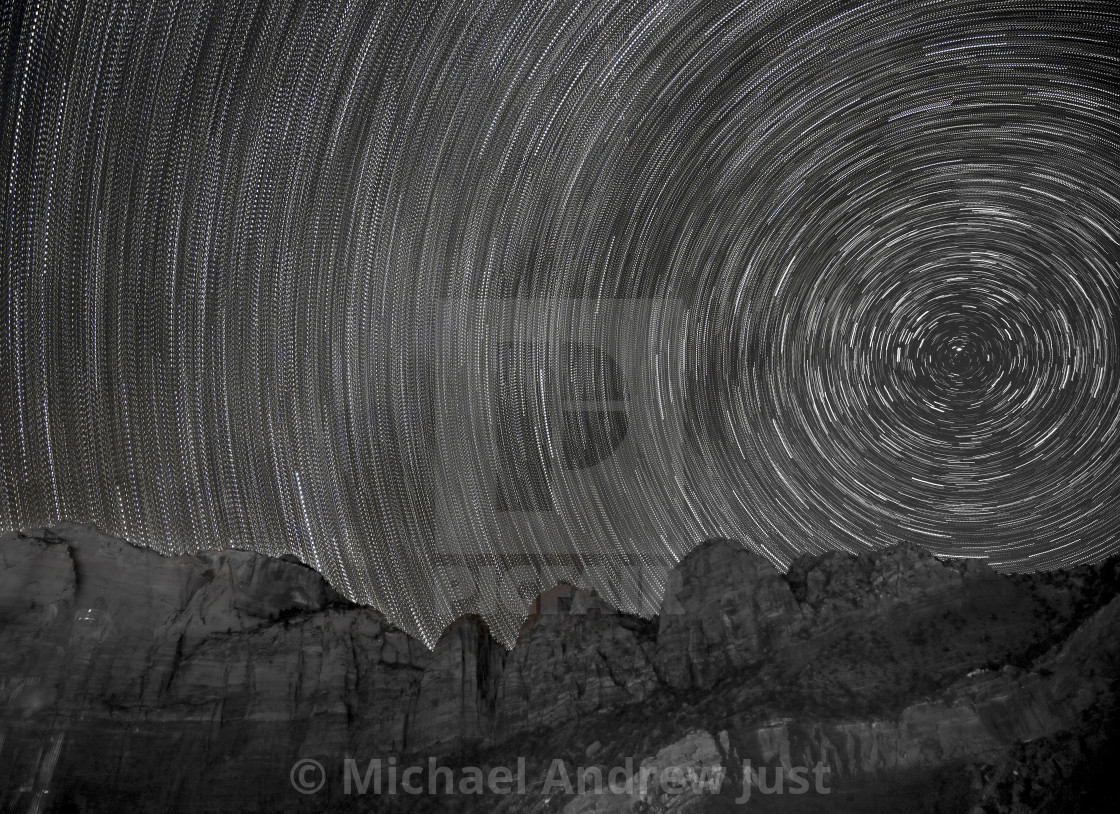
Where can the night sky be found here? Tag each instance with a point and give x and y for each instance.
(455, 300)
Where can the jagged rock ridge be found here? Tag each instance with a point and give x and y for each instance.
(194, 683)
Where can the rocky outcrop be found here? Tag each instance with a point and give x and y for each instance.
(678, 777)
(130, 661)
(459, 688)
(977, 717)
(575, 655)
(892, 623)
(133, 680)
(1007, 726)
(1071, 770)
(725, 608)
(835, 582)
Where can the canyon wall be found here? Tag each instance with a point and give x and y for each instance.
(129, 680)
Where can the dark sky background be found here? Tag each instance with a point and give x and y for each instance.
(455, 300)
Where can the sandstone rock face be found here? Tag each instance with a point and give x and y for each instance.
(129, 663)
(676, 778)
(576, 655)
(129, 680)
(725, 607)
(977, 719)
(832, 585)
(839, 581)
(458, 689)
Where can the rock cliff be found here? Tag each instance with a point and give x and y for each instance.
(129, 680)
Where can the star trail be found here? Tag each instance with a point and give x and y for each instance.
(452, 300)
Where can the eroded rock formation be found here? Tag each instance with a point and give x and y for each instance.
(129, 680)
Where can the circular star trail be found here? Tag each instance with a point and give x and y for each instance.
(454, 300)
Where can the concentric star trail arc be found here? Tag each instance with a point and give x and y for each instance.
(453, 300)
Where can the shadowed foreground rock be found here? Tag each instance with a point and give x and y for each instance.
(132, 681)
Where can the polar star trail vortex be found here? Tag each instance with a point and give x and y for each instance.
(429, 294)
